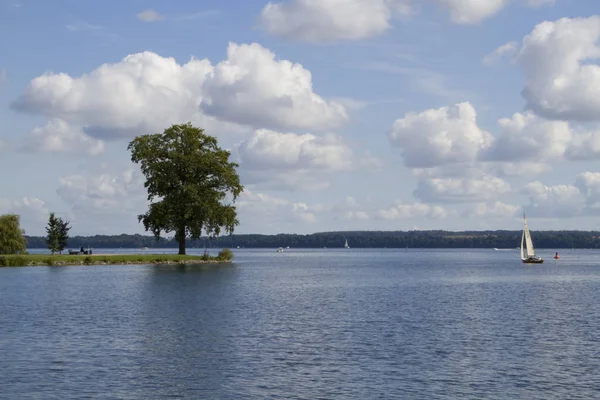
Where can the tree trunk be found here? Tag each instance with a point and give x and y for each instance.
(181, 240)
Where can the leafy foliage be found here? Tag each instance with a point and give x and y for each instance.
(63, 234)
(52, 232)
(12, 239)
(57, 232)
(188, 178)
(225, 255)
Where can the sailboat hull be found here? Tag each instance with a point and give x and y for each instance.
(533, 260)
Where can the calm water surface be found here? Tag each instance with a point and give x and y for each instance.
(322, 324)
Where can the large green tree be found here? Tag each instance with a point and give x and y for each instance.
(12, 239)
(192, 186)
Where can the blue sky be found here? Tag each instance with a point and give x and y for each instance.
(343, 115)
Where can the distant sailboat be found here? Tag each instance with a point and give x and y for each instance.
(346, 245)
(527, 250)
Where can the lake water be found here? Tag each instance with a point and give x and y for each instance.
(307, 324)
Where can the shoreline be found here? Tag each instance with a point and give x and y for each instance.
(40, 260)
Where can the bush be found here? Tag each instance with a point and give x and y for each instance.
(15, 261)
(88, 260)
(50, 262)
(225, 255)
(205, 256)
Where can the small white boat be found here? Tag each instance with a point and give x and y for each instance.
(346, 245)
(527, 250)
(280, 249)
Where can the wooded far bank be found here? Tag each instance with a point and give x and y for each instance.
(356, 239)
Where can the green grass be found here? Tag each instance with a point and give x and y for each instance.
(103, 259)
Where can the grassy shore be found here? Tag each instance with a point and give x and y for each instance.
(24, 260)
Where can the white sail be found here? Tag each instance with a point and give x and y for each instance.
(346, 244)
(523, 245)
(528, 242)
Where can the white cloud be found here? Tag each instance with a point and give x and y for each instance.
(585, 146)
(512, 169)
(472, 11)
(565, 201)
(145, 93)
(326, 20)
(560, 201)
(505, 49)
(58, 136)
(434, 137)
(526, 137)
(33, 213)
(562, 80)
(252, 88)
(115, 197)
(588, 184)
(149, 16)
(292, 161)
(459, 190)
(401, 210)
(154, 16)
(494, 209)
(275, 214)
(267, 149)
(322, 21)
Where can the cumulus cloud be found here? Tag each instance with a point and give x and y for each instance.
(57, 136)
(293, 161)
(402, 210)
(252, 88)
(460, 190)
(267, 149)
(434, 137)
(326, 20)
(527, 137)
(562, 78)
(145, 93)
(274, 214)
(33, 213)
(319, 21)
(559, 201)
(493, 209)
(472, 11)
(114, 196)
(585, 146)
(505, 49)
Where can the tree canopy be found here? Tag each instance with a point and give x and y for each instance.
(189, 179)
(12, 239)
(57, 232)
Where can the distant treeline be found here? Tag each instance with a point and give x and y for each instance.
(358, 239)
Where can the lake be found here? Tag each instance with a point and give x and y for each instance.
(307, 324)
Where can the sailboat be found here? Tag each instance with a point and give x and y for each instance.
(346, 245)
(527, 250)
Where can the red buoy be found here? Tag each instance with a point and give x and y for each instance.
(556, 257)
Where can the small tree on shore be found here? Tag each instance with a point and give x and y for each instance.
(63, 234)
(52, 232)
(188, 178)
(58, 234)
(12, 237)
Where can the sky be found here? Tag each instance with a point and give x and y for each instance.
(342, 114)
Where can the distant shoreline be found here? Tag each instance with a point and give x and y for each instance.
(356, 239)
